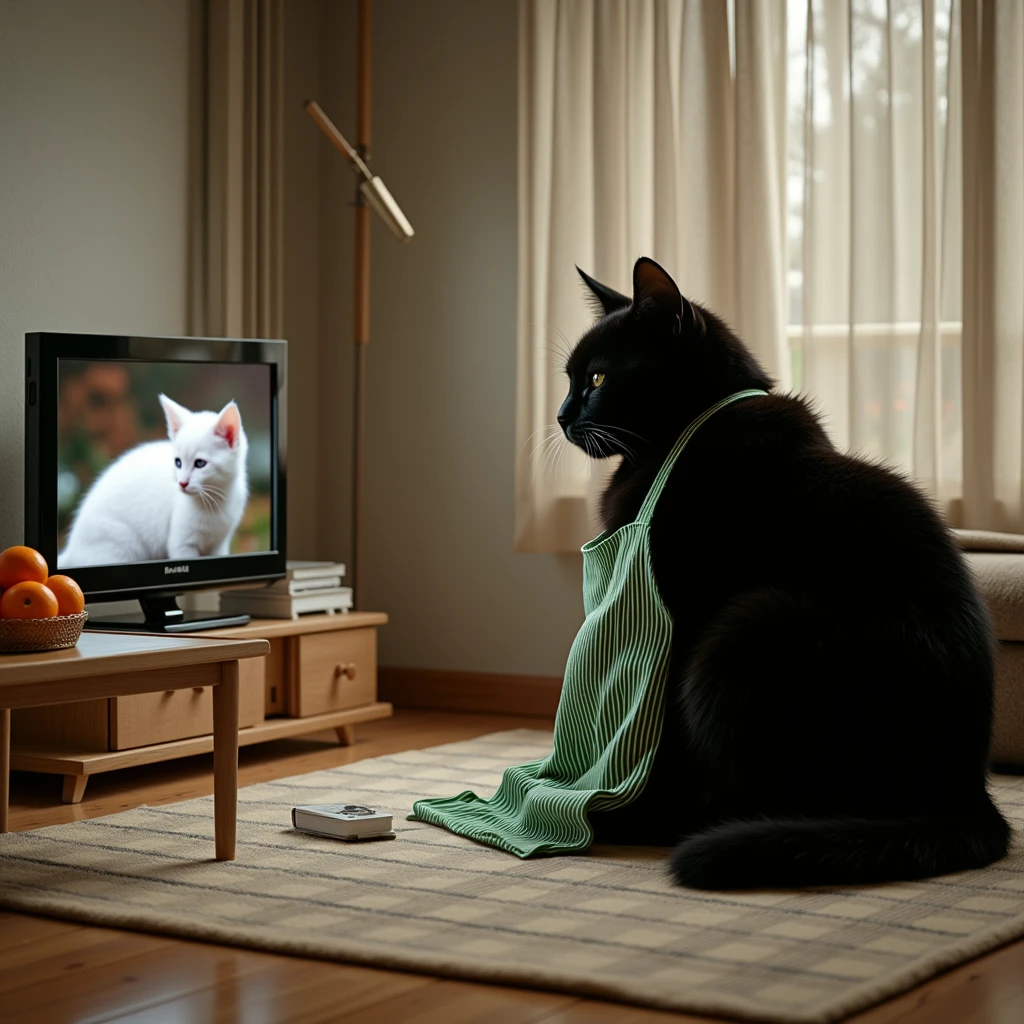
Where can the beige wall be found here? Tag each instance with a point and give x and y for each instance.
(335, 281)
(94, 183)
(94, 213)
(303, 48)
(441, 402)
(101, 121)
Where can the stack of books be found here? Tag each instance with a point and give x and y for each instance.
(309, 587)
(351, 822)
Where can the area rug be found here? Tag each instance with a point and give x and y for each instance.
(606, 924)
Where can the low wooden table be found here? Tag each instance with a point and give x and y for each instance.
(120, 664)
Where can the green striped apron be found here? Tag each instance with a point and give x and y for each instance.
(610, 713)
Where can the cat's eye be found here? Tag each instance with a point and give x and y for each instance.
(199, 463)
(177, 463)
(596, 380)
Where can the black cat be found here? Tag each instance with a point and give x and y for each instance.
(830, 700)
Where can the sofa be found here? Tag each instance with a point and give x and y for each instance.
(997, 561)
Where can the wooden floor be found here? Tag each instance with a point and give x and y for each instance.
(52, 972)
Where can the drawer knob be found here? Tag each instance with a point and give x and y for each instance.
(349, 670)
(197, 689)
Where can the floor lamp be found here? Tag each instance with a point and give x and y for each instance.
(371, 193)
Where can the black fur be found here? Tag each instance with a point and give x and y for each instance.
(830, 700)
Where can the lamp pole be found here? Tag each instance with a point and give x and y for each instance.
(371, 193)
(361, 297)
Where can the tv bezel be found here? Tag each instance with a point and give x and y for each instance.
(158, 578)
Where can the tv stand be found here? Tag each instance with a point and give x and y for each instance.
(320, 674)
(162, 615)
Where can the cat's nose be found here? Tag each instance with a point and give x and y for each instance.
(565, 414)
(184, 484)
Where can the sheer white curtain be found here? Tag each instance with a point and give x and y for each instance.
(653, 127)
(906, 239)
(875, 236)
(844, 174)
(993, 364)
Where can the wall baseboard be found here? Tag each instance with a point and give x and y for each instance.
(442, 690)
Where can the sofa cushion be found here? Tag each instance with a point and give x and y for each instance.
(997, 561)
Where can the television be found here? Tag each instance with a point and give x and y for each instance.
(155, 467)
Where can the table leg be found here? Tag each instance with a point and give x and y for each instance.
(346, 734)
(225, 760)
(5, 765)
(74, 788)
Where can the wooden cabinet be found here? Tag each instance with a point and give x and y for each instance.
(320, 673)
(318, 664)
(121, 723)
(160, 717)
(335, 671)
(148, 718)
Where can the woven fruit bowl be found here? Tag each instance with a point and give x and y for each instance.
(19, 636)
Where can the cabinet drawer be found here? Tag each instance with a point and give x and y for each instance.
(146, 718)
(167, 715)
(335, 670)
(82, 727)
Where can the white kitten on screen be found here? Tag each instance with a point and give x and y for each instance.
(181, 498)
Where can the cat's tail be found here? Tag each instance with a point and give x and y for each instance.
(787, 853)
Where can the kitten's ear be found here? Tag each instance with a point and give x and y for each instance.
(602, 299)
(229, 424)
(174, 414)
(656, 294)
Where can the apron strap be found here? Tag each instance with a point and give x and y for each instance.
(647, 508)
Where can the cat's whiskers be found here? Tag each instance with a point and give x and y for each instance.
(603, 442)
(614, 445)
(561, 339)
(555, 454)
(563, 450)
(558, 348)
(546, 461)
(213, 497)
(545, 443)
(556, 354)
(612, 433)
(591, 434)
(536, 456)
(552, 428)
(202, 497)
(620, 430)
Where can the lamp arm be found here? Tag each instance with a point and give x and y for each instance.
(340, 143)
(375, 191)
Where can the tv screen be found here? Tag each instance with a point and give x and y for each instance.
(162, 460)
(154, 466)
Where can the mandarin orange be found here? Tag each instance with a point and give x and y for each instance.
(28, 600)
(70, 599)
(21, 564)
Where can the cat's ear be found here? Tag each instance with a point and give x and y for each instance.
(602, 299)
(229, 424)
(691, 321)
(174, 414)
(656, 294)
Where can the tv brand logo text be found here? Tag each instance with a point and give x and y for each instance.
(175, 568)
